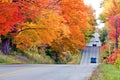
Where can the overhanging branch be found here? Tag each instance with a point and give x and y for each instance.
(31, 29)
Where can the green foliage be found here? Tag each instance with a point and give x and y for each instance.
(66, 59)
(75, 59)
(58, 55)
(51, 52)
(119, 42)
(78, 59)
(62, 60)
(103, 35)
(88, 35)
(102, 18)
(103, 54)
(117, 63)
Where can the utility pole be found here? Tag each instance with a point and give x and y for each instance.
(116, 26)
(117, 34)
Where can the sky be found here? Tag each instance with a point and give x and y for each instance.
(96, 6)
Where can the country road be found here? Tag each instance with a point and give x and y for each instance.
(90, 51)
(46, 72)
(53, 71)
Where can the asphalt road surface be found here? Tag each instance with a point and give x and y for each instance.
(54, 72)
(90, 52)
(46, 72)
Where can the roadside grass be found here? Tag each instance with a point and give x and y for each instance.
(106, 72)
(40, 59)
(111, 73)
(4, 59)
(29, 59)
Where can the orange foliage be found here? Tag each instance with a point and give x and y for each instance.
(45, 29)
(45, 21)
(77, 37)
(22, 42)
(74, 12)
(91, 18)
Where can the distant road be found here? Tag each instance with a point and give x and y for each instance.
(89, 52)
(54, 72)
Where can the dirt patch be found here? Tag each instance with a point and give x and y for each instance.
(97, 74)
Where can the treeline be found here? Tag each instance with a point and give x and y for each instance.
(50, 26)
(111, 17)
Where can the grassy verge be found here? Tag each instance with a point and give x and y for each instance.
(106, 72)
(29, 59)
(4, 59)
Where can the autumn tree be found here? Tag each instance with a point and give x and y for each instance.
(38, 22)
(80, 19)
(9, 13)
(110, 15)
(44, 30)
(103, 35)
(91, 23)
(22, 10)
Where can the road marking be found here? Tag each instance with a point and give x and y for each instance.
(17, 71)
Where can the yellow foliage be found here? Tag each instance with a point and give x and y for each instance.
(111, 8)
(47, 27)
(22, 42)
(6, 0)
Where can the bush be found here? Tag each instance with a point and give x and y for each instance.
(117, 62)
(113, 57)
(65, 57)
(39, 58)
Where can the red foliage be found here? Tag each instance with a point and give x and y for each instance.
(103, 48)
(112, 58)
(9, 16)
(113, 22)
(112, 34)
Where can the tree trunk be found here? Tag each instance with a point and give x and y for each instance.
(5, 46)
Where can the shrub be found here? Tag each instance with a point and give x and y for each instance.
(65, 57)
(113, 57)
(117, 62)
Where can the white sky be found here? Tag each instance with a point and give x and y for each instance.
(96, 6)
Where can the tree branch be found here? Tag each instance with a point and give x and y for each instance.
(31, 29)
(53, 4)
